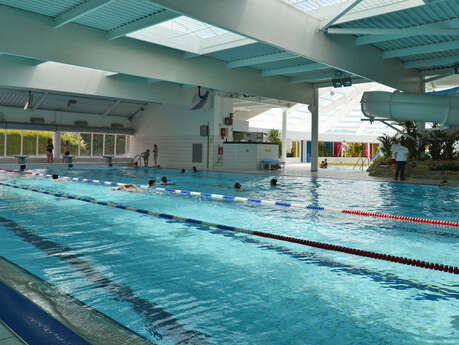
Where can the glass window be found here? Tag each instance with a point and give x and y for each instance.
(29, 144)
(109, 144)
(121, 145)
(2, 142)
(43, 138)
(73, 142)
(85, 144)
(13, 142)
(97, 143)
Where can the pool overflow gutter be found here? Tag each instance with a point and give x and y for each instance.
(320, 245)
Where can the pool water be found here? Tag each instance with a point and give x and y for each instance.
(174, 282)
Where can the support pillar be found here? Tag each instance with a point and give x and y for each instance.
(57, 145)
(314, 109)
(284, 134)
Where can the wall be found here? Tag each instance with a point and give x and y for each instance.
(174, 129)
(247, 156)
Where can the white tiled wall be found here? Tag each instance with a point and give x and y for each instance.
(174, 129)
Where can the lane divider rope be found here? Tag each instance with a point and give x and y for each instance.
(256, 201)
(320, 245)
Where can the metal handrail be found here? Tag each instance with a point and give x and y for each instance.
(361, 162)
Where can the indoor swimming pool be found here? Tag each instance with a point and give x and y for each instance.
(182, 283)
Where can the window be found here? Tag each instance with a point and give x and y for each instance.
(43, 138)
(13, 142)
(109, 144)
(73, 142)
(98, 141)
(2, 142)
(85, 144)
(29, 142)
(120, 145)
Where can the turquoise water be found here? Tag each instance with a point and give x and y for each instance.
(180, 283)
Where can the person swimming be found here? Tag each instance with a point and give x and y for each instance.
(444, 183)
(164, 181)
(194, 169)
(152, 183)
(128, 187)
(273, 182)
(237, 186)
(55, 177)
(183, 171)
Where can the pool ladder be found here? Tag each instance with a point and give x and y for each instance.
(361, 162)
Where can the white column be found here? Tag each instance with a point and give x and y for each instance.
(284, 134)
(314, 109)
(57, 144)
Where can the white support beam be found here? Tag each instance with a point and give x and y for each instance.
(440, 76)
(189, 55)
(29, 34)
(150, 20)
(79, 11)
(111, 108)
(437, 62)
(37, 105)
(295, 69)
(315, 77)
(429, 48)
(262, 59)
(298, 33)
(349, 6)
(434, 72)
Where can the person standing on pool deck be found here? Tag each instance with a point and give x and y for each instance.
(146, 156)
(155, 154)
(393, 148)
(66, 150)
(49, 150)
(401, 156)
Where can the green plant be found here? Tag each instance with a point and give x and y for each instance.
(274, 137)
(386, 143)
(441, 144)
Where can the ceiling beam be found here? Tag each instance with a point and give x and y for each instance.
(79, 11)
(153, 19)
(257, 60)
(293, 70)
(280, 25)
(314, 77)
(111, 108)
(29, 34)
(448, 27)
(342, 13)
(37, 105)
(380, 10)
(446, 61)
(429, 48)
(441, 76)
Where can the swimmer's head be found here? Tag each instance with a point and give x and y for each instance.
(152, 183)
(273, 182)
(55, 176)
(183, 170)
(194, 169)
(237, 185)
(164, 179)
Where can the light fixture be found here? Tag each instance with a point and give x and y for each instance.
(347, 82)
(28, 102)
(337, 83)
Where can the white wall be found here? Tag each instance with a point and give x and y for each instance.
(246, 156)
(174, 129)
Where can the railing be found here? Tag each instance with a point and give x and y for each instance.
(361, 163)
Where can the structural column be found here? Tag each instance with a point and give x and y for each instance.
(314, 109)
(284, 134)
(57, 144)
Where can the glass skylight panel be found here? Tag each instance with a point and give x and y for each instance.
(190, 35)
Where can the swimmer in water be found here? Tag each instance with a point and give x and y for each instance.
(237, 186)
(273, 182)
(128, 187)
(165, 182)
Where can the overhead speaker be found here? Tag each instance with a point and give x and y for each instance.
(199, 100)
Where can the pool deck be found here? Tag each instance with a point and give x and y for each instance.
(8, 337)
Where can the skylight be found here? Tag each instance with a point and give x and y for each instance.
(190, 35)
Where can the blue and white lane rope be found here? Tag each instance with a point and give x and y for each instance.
(256, 201)
(320, 245)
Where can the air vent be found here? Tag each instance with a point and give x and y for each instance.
(81, 123)
(37, 120)
(117, 125)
